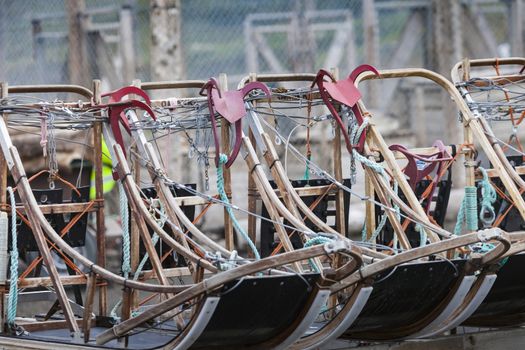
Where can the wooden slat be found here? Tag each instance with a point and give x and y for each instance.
(520, 170)
(171, 272)
(48, 325)
(62, 208)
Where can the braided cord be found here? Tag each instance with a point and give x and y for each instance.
(12, 300)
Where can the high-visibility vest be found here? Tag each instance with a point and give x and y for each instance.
(107, 173)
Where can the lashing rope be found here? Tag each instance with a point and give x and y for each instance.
(355, 135)
(124, 217)
(154, 240)
(12, 299)
(468, 211)
(223, 158)
(136, 275)
(126, 255)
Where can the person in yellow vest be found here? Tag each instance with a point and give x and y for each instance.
(107, 173)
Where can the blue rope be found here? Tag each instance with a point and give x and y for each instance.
(306, 175)
(12, 300)
(154, 240)
(488, 197)
(113, 312)
(126, 247)
(220, 188)
(378, 168)
(124, 217)
(468, 211)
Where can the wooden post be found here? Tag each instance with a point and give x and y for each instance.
(77, 64)
(166, 54)
(134, 229)
(225, 146)
(3, 197)
(166, 64)
(304, 46)
(126, 44)
(252, 191)
(371, 31)
(36, 30)
(88, 305)
(351, 57)
(39, 57)
(419, 117)
(338, 174)
(448, 51)
(99, 195)
(93, 62)
(516, 13)
(250, 51)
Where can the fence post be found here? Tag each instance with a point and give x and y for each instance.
(126, 44)
(77, 66)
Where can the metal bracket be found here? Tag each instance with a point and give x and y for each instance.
(337, 246)
(489, 234)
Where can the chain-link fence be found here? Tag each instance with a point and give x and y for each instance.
(122, 40)
(237, 36)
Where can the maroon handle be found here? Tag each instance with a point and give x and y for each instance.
(117, 108)
(415, 174)
(230, 99)
(345, 92)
